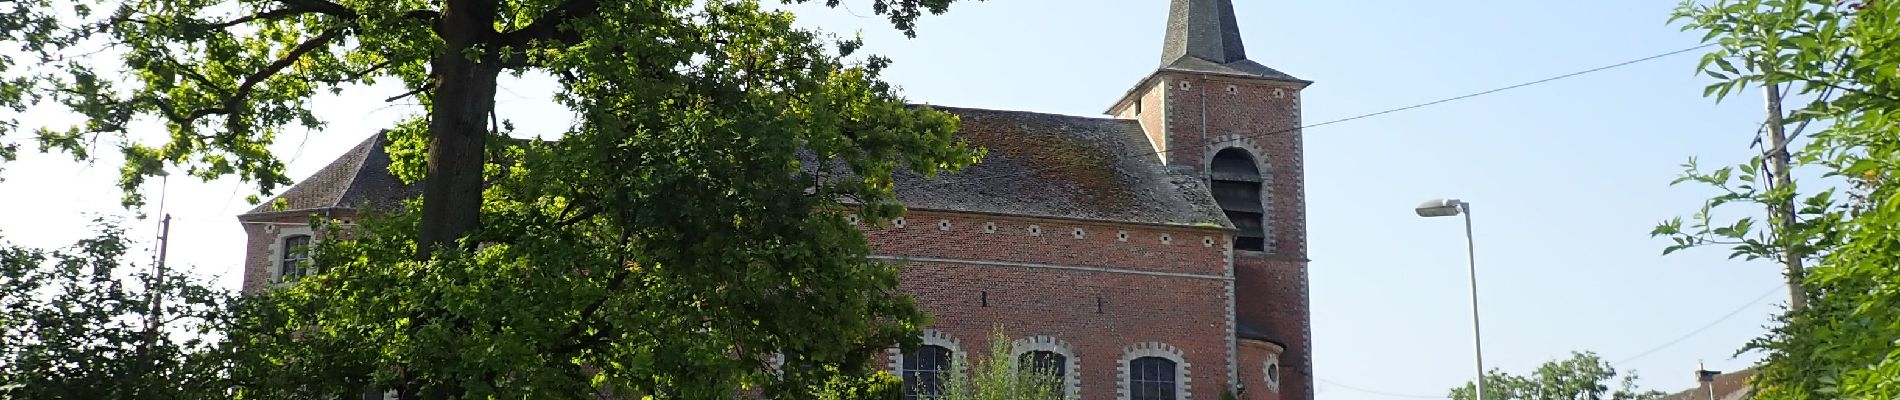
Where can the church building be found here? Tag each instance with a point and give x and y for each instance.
(1155, 253)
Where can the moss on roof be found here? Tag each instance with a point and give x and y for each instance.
(1039, 165)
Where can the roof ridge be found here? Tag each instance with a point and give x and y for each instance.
(350, 162)
(1062, 166)
(1042, 113)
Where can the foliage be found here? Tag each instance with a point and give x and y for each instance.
(1768, 43)
(545, 311)
(1583, 376)
(226, 77)
(75, 324)
(1814, 232)
(1001, 375)
(690, 222)
(33, 35)
(604, 267)
(1845, 56)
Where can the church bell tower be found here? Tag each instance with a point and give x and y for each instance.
(1212, 112)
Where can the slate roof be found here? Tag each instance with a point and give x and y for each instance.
(1246, 330)
(1049, 165)
(358, 179)
(1039, 165)
(1205, 29)
(1247, 68)
(1203, 37)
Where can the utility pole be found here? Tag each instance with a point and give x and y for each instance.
(157, 282)
(1783, 211)
(158, 278)
(155, 288)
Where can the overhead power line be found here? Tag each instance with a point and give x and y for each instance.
(1360, 116)
(1672, 342)
(1376, 392)
(1413, 107)
(1725, 317)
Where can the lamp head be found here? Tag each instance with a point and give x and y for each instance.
(1441, 208)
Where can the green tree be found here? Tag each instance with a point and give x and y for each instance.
(1583, 376)
(1844, 59)
(690, 223)
(76, 323)
(226, 76)
(1002, 375)
(30, 27)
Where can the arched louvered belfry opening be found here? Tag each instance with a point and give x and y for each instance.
(1237, 186)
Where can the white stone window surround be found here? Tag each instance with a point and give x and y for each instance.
(776, 363)
(280, 232)
(1072, 377)
(1254, 150)
(932, 337)
(1270, 370)
(1182, 380)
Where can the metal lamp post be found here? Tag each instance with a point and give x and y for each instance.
(1454, 207)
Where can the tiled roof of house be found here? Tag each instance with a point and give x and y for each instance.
(1729, 386)
(357, 179)
(1039, 165)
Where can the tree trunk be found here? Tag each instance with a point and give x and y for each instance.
(464, 97)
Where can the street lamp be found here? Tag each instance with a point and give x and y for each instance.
(1453, 207)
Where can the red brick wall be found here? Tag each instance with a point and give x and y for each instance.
(1253, 361)
(1173, 292)
(261, 236)
(1271, 296)
(1212, 113)
(1144, 249)
(1187, 312)
(1153, 106)
(1265, 111)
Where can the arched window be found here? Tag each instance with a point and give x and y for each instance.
(296, 257)
(1044, 362)
(1237, 187)
(924, 370)
(1151, 378)
(1052, 357)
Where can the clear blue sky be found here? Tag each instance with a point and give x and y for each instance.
(1566, 178)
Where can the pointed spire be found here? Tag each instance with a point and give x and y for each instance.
(1203, 29)
(1203, 37)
